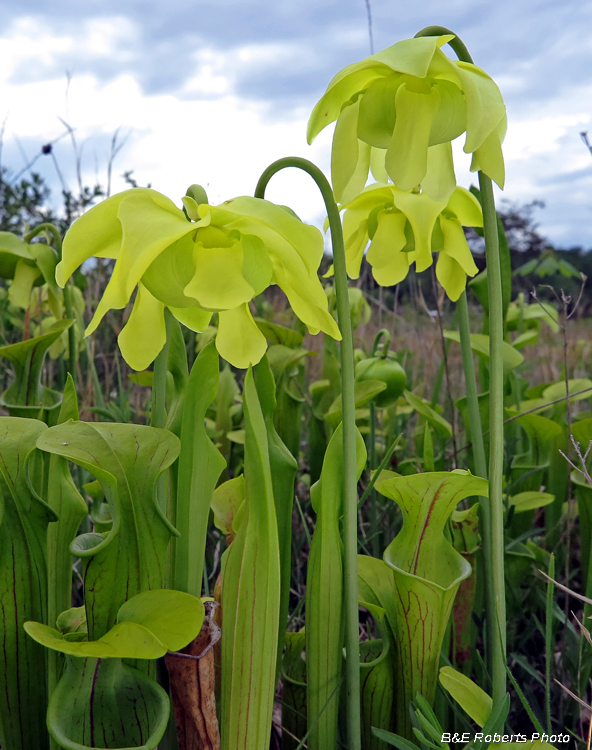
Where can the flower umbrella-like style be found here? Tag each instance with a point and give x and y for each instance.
(397, 112)
(406, 227)
(216, 262)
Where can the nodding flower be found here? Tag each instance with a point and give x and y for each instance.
(197, 261)
(397, 113)
(406, 227)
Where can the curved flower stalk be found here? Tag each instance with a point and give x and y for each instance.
(397, 112)
(406, 228)
(216, 262)
(417, 583)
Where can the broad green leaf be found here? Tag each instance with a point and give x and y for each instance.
(115, 706)
(174, 617)
(324, 592)
(200, 466)
(530, 500)
(558, 390)
(480, 345)
(251, 586)
(526, 338)
(427, 572)
(467, 694)
(148, 625)
(12, 250)
(365, 391)
(127, 460)
(442, 427)
(24, 520)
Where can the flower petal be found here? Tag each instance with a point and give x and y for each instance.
(354, 250)
(218, 283)
(350, 158)
(96, 233)
(394, 271)
(456, 246)
(342, 87)
(19, 291)
(407, 154)
(239, 340)
(489, 157)
(439, 181)
(377, 167)
(421, 212)
(451, 276)
(485, 106)
(195, 318)
(466, 207)
(389, 239)
(144, 334)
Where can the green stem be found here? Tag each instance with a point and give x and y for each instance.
(496, 429)
(549, 640)
(350, 526)
(57, 240)
(158, 415)
(494, 535)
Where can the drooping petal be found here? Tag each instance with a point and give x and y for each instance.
(456, 246)
(421, 212)
(407, 154)
(144, 334)
(315, 317)
(96, 233)
(354, 250)
(389, 239)
(350, 159)
(451, 276)
(218, 283)
(395, 270)
(439, 181)
(377, 113)
(377, 167)
(195, 318)
(485, 106)
(342, 87)
(466, 207)
(489, 157)
(239, 340)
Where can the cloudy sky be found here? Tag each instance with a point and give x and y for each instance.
(213, 91)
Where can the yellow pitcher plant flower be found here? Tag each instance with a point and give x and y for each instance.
(397, 112)
(406, 227)
(215, 262)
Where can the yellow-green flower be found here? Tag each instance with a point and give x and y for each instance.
(397, 112)
(406, 227)
(217, 262)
